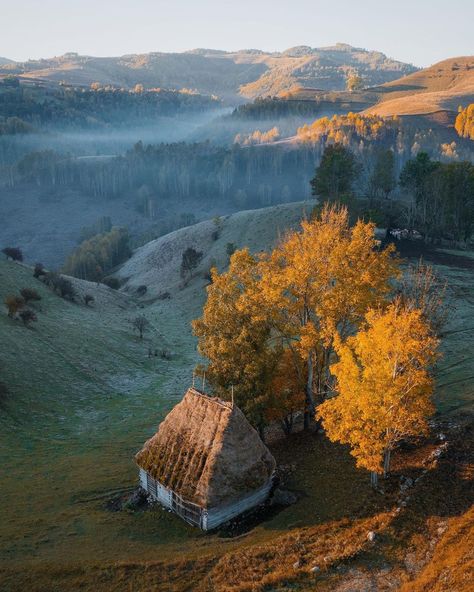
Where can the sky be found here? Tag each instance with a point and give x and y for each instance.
(421, 32)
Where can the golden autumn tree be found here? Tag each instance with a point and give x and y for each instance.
(287, 391)
(464, 124)
(319, 283)
(384, 385)
(236, 341)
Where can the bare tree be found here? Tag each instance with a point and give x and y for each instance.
(140, 324)
(190, 261)
(422, 288)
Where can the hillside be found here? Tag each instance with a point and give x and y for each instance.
(251, 73)
(443, 86)
(84, 394)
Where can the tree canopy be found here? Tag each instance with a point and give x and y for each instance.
(383, 385)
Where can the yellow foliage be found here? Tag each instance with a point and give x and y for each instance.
(234, 339)
(286, 390)
(345, 128)
(383, 384)
(258, 137)
(318, 282)
(464, 124)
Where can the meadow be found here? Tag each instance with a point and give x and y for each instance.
(84, 395)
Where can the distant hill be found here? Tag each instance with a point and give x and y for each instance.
(251, 73)
(441, 87)
(5, 61)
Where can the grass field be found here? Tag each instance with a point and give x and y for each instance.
(84, 395)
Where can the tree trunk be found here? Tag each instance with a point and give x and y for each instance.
(309, 400)
(386, 462)
(374, 479)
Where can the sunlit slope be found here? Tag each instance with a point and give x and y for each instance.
(251, 72)
(443, 86)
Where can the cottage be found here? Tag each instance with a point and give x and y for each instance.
(206, 462)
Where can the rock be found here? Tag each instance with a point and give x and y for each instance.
(371, 536)
(283, 497)
(315, 569)
(297, 564)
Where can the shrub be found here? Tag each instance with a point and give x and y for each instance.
(13, 253)
(88, 299)
(112, 282)
(60, 285)
(230, 249)
(141, 290)
(29, 294)
(27, 316)
(39, 270)
(164, 296)
(14, 304)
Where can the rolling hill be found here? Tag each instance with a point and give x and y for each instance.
(250, 73)
(441, 87)
(84, 393)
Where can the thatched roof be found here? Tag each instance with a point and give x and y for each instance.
(206, 451)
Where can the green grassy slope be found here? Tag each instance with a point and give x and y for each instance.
(84, 395)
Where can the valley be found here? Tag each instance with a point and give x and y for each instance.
(84, 394)
(288, 231)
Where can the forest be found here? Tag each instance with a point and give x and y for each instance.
(75, 107)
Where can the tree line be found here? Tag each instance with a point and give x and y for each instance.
(74, 107)
(438, 201)
(96, 256)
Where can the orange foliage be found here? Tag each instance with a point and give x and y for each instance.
(384, 384)
(345, 128)
(464, 124)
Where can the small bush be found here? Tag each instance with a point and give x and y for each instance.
(13, 253)
(27, 316)
(112, 282)
(29, 294)
(88, 299)
(39, 270)
(14, 303)
(60, 285)
(164, 296)
(141, 290)
(230, 249)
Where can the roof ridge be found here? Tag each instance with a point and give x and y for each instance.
(218, 401)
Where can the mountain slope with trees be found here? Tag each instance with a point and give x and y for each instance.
(251, 73)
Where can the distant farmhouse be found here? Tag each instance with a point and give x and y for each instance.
(206, 462)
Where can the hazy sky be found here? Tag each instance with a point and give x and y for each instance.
(417, 31)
